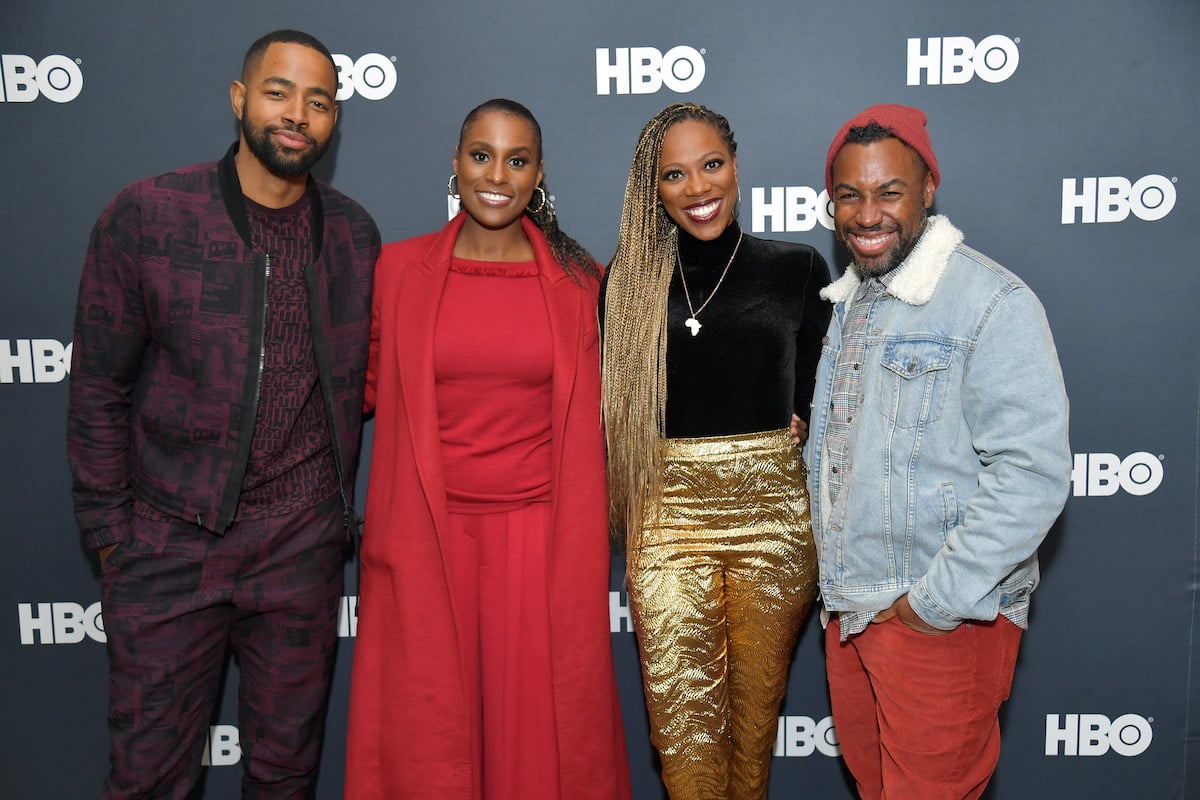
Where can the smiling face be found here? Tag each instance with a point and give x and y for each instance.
(286, 106)
(498, 163)
(697, 179)
(882, 192)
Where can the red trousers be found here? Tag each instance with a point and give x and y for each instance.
(499, 569)
(917, 716)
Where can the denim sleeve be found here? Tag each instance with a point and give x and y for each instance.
(1015, 406)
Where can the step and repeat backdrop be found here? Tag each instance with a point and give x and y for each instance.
(1067, 138)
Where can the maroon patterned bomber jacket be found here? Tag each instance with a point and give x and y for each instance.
(167, 354)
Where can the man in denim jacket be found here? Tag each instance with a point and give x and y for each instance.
(939, 460)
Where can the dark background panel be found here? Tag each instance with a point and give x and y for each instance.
(1102, 703)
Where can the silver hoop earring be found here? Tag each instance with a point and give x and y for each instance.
(737, 208)
(452, 186)
(541, 205)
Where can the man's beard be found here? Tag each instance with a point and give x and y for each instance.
(273, 156)
(894, 258)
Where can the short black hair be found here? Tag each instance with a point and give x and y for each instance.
(505, 106)
(283, 36)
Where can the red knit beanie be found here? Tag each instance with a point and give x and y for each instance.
(904, 122)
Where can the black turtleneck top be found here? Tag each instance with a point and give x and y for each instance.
(754, 359)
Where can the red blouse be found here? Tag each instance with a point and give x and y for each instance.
(493, 364)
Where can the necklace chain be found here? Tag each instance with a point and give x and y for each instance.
(691, 322)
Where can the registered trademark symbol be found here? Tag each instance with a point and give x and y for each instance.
(1174, 180)
(1161, 457)
(79, 61)
(393, 59)
(1017, 40)
(703, 50)
(1150, 719)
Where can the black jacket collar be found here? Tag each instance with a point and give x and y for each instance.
(235, 202)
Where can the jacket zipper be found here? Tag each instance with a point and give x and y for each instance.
(262, 361)
(262, 347)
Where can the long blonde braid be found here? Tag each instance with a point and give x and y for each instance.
(635, 330)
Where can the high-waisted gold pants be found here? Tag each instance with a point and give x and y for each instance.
(719, 587)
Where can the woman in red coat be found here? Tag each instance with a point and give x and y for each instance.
(482, 668)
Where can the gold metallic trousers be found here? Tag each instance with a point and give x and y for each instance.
(719, 587)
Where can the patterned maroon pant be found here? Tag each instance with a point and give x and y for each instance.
(176, 602)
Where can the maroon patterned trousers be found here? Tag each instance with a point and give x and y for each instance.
(177, 601)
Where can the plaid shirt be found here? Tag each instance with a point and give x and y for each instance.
(847, 380)
(844, 402)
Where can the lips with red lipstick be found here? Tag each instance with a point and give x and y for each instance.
(704, 213)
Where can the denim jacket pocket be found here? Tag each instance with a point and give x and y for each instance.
(916, 385)
(950, 510)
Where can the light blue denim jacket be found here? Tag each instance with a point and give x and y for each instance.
(958, 454)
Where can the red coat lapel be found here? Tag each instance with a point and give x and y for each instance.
(419, 295)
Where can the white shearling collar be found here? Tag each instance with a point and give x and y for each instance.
(916, 279)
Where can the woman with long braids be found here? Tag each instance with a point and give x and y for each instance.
(482, 666)
(711, 340)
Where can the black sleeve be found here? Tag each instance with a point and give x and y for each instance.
(600, 308)
(814, 324)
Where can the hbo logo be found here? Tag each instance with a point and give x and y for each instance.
(373, 76)
(803, 736)
(22, 79)
(789, 208)
(644, 70)
(1112, 199)
(957, 59)
(223, 747)
(1101, 474)
(34, 360)
(60, 623)
(1095, 734)
(347, 624)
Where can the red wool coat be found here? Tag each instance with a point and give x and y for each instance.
(409, 734)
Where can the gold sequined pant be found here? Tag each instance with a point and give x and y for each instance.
(718, 587)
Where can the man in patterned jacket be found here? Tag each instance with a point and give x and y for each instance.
(214, 417)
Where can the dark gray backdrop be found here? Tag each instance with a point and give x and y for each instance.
(1044, 118)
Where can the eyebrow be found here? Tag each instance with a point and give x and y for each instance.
(709, 156)
(488, 145)
(886, 185)
(279, 81)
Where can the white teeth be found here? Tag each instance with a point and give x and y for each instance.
(871, 241)
(704, 211)
(493, 196)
